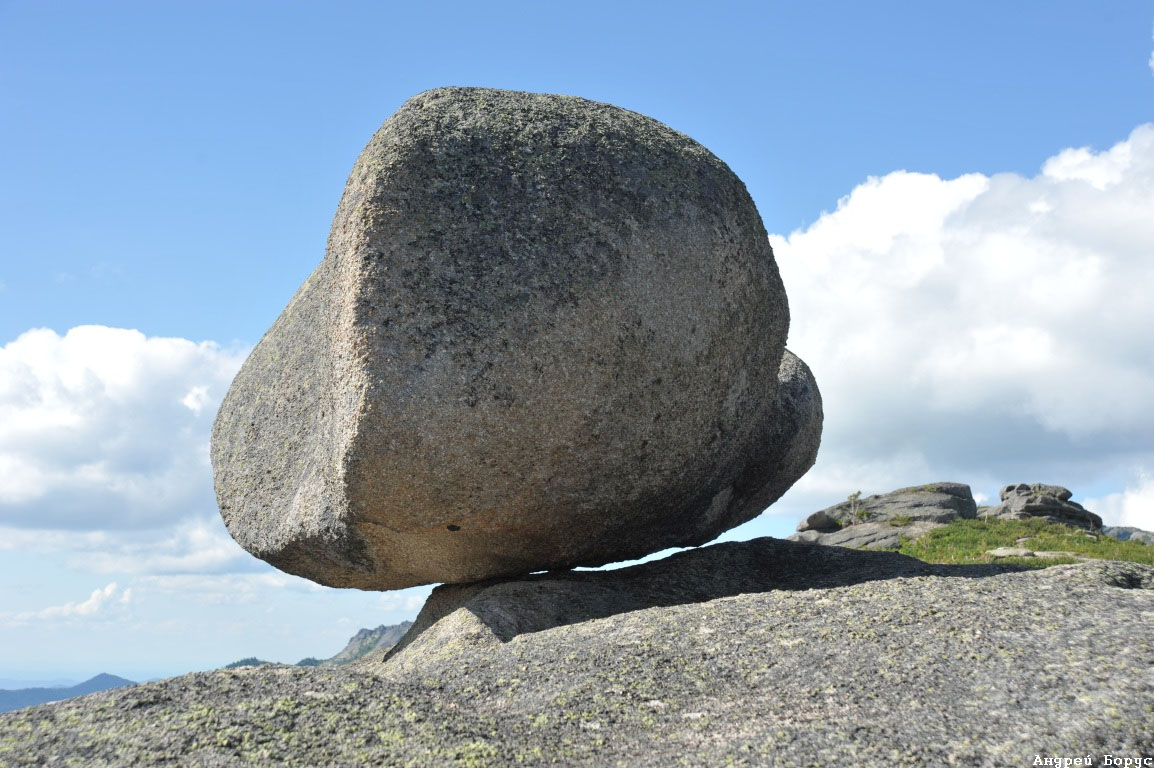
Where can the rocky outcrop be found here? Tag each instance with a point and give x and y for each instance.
(547, 332)
(761, 653)
(1128, 533)
(881, 521)
(1049, 502)
(366, 641)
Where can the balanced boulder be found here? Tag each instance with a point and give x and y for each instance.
(1049, 502)
(547, 332)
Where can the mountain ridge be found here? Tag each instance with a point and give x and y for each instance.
(28, 697)
(364, 642)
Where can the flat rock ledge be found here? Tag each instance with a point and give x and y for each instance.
(760, 653)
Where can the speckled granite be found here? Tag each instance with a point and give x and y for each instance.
(547, 332)
(764, 653)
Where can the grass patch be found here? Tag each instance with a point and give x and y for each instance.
(966, 541)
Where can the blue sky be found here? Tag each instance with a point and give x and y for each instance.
(958, 196)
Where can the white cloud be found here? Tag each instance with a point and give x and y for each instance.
(98, 602)
(227, 588)
(105, 428)
(981, 329)
(104, 451)
(1132, 507)
(405, 600)
(196, 545)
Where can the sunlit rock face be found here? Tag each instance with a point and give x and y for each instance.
(547, 332)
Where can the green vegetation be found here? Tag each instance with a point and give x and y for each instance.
(966, 541)
(900, 521)
(250, 661)
(855, 513)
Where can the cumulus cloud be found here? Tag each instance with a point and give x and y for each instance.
(405, 600)
(104, 437)
(227, 588)
(989, 329)
(105, 428)
(98, 602)
(1132, 507)
(196, 545)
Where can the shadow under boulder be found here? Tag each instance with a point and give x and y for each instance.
(489, 613)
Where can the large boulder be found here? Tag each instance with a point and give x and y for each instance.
(547, 332)
(881, 521)
(761, 653)
(1049, 502)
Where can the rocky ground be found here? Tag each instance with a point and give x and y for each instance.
(880, 660)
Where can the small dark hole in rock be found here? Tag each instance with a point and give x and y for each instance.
(454, 527)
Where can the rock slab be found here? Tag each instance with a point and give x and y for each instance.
(881, 521)
(1049, 502)
(715, 657)
(547, 332)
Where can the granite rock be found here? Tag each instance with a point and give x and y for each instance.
(886, 535)
(760, 653)
(547, 332)
(882, 520)
(1049, 502)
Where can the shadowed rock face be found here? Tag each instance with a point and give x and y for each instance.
(547, 332)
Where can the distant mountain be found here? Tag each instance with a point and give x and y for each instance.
(1129, 533)
(29, 697)
(360, 645)
(365, 642)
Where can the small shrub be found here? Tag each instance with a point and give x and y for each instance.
(855, 514)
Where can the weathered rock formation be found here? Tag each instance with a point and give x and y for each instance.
(882, 520)
(760, 653)
(367, 641)
(1049, 502)
(547, 332)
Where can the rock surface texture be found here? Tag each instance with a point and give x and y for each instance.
(760, 653)
(882, 520)
(547, 332)
(1050, 502)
